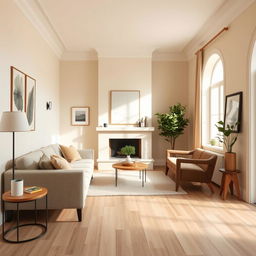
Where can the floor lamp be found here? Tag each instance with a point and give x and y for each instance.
(15, 121)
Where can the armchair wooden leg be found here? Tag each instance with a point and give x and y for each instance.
(166, 169)
(210, 187)
(177, 185)
(79, 214)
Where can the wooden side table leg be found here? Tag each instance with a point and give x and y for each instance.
(231, 187)
(226, 185)
(236, 183)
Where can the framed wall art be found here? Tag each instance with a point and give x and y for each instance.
(124, 107)
(233, 111)
(80, 116)
(18, 90)
(31, 101)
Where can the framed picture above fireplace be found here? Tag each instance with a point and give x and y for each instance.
(124, 107)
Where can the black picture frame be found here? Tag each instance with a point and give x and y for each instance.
(233, 110)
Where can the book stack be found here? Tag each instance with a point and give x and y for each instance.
(32, 190)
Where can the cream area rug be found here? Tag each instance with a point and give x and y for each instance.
(129, 183)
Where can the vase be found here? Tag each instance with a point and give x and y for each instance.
(230, 161)
(16, 187)
(128, 159)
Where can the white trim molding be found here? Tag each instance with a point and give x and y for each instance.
(32, 10)
(222, 18)
(79, 55)
(168, 56)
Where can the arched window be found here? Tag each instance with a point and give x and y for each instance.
(212, 99)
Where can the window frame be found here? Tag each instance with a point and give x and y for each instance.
(206, 93)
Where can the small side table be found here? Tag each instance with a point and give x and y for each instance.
(7, 198)
(229, 179)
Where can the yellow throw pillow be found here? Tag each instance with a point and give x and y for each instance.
(70, 153)
(59, 162)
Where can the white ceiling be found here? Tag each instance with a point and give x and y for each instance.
(116, 27)
(128, 28)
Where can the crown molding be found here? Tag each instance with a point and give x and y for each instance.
(230, 10)
(168, 56)
(79, 55)
(32, 10)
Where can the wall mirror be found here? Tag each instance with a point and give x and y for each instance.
(124, 107)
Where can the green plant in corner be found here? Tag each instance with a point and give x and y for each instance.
(128, 150)
(227, 135)
(173, 123)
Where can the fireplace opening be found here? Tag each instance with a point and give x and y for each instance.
(115, 146)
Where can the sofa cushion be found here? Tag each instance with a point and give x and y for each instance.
(59, 162)
(82, 163)
(56, 148)
(48, 151)
(29, 161)
(70, 153)
(45, 163)
(190, 167)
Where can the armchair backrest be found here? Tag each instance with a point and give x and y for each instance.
(202, 154)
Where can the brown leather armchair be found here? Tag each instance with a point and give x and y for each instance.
(198, 166)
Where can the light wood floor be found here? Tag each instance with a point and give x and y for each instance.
(194, 224)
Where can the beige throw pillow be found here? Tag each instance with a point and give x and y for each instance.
(45, 163)
(70, 153)
(59, 162)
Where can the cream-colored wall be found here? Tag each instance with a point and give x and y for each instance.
(78, 87)
(235, 47)
(23, 47)
(169, 87)
(124, 74)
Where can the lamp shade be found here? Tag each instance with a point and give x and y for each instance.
(15, 121)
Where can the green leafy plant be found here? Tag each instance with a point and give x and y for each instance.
(128, 150)
(227, 135)
(173, 123)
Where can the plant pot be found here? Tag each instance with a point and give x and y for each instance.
(230, 161)
(128, 159)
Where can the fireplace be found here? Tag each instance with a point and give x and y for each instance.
(115, 146)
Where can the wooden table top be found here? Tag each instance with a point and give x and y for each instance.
(137, 166)
(25, 197)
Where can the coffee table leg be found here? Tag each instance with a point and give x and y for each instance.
(116, 177)
(143, 174)
(140, 174)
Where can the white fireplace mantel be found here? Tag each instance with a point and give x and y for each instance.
(124, 129)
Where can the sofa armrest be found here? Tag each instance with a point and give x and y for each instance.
(171, 152)
(66, 188)
(86, 153)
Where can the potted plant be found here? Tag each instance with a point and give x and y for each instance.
(173, 123)
(228, 138)
(128, 151)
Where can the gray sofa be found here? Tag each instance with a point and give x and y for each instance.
(66, 188)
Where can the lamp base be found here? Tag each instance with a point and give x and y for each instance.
(17, 187)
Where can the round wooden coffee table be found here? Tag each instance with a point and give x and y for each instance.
(141, 167)
(7, 198)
